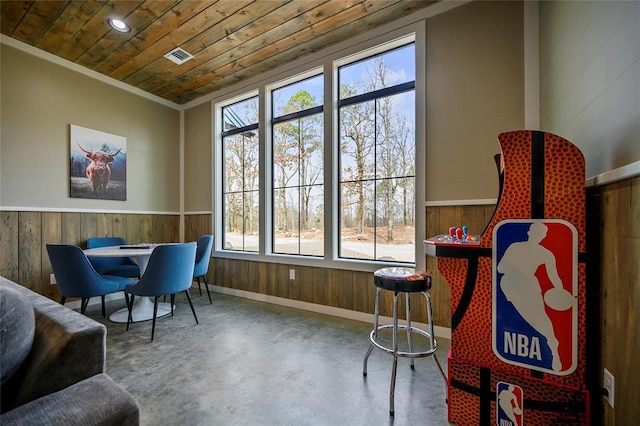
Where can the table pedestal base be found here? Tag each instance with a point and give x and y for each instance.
(142, 311)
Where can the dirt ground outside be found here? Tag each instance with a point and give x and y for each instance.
(353, 244)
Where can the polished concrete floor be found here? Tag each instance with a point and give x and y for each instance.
(253, 363)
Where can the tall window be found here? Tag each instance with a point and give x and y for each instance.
(377, 157)
(240, 192)
(298, 176)
(318, 163)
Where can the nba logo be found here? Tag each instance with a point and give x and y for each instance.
(508, 404)
(534, 303)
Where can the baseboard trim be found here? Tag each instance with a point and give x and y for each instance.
(442, 332)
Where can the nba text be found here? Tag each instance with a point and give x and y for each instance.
(522, 345)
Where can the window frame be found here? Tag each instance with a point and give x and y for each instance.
(365, 45)
(273, 121)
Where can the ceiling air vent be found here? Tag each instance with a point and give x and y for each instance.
(178, 56)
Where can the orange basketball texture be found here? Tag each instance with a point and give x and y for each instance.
(464, 407)
(564, 198)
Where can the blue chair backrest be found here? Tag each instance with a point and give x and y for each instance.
(169, 271)
(75, 276)
(105, 242)
(203, 255)
(104, 263)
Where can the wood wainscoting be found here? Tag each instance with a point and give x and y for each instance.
(25, 234)
(345, 289)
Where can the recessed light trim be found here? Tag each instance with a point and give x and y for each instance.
(119, 25)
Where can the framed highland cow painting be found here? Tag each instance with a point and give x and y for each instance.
(98, 164)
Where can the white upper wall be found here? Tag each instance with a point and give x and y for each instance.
(41, 99)
(590, 79)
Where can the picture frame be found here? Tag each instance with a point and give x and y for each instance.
(98, 164)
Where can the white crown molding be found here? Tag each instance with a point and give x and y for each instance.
(85, 71)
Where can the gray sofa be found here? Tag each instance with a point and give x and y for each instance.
(52, 365)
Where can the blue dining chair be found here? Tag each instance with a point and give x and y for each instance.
(169, 271)
(119, 266)
(76, 277)
(203, 256)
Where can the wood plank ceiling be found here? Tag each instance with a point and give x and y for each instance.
(231, 40)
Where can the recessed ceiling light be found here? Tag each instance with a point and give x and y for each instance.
(119, 25)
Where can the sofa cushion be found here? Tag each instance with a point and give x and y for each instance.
(67, 347)
(17, 329)
(96, 401)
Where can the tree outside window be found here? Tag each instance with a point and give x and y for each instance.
(377, 157)
(298, 175)
(240, 194)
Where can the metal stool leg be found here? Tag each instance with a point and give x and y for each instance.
(375, 333)
(392, 390)
(408, 303)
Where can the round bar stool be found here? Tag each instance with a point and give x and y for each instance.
(407, 281)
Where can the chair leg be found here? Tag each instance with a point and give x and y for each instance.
(83, 305)
(191, 304)
(155, 313)
(63, 300)
(130, 317)
(199, 288)
(102, 298)
(206, 286)
(172, 300)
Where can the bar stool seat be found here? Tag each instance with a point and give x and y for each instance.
(407, 281)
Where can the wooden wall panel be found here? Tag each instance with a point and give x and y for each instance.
(619, 297)
(139, 228)
(51, 234)
(88, 227)
(196, 225)
(25, 236)
(9, 245)
(118, 225)
(71, 229)
(29, 249)
(439, 220)
(104, 225)
(319, 292)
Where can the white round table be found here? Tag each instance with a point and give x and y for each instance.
(143, 306)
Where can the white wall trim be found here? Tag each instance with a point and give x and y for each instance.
(621, 173)
(63, 210)
(479, 202)
(85, 71)
(442, 332)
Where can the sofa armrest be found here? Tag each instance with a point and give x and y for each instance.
(95, 401)
(68, 347)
